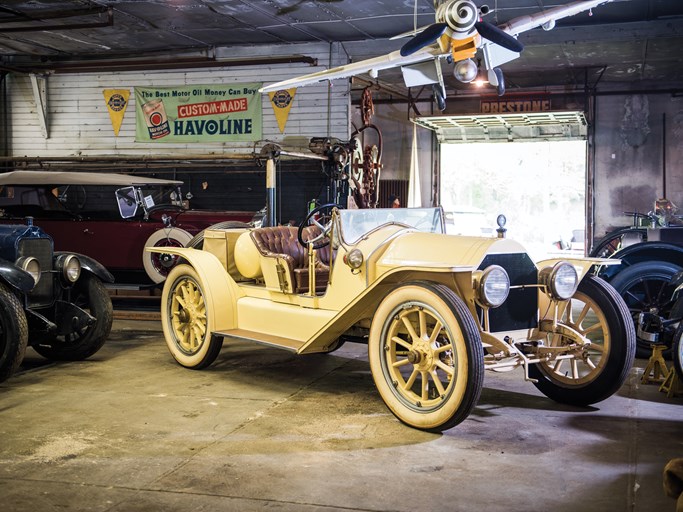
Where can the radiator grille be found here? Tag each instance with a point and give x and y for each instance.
(41, 249)
(520, 310)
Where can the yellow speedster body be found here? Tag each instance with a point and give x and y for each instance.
(435, 309)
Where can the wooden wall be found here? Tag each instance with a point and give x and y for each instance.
(79, 124)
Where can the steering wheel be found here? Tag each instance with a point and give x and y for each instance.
(325, 215)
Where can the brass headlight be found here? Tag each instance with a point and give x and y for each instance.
(70, 267)
(354, 259)
(31, 265)
(492, 286)
(560, 280)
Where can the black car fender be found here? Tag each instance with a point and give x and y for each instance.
(15, 277)
(91, 265)
(646, 251)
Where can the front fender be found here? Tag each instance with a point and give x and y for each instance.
(91, 265)
(582, 265)
(15, 277)
(221, 290)
(646, 251)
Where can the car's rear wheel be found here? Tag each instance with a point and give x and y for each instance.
(13, 333)
(186, 321)
(90, 295)
(158, 265)
(426, 356)
(595, 373)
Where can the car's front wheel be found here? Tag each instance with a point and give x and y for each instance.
(186, 321)
(426, 356)
(90, 295)
(597, 371)
(13, 333)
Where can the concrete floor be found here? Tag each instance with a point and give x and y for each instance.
(262, 429)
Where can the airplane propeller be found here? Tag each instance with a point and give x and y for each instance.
(424, 38)
(495, 35)
(485, 29)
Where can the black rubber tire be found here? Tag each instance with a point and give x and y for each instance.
(177, 317)
(443, 408)
(89, 294)
(197, 241)
(677, 352)
(645, 287)
(13, 333)
(620, 351)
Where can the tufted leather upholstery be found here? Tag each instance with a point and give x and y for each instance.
(282, 242)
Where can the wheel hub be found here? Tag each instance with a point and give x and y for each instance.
(184, 316)
(421, 355)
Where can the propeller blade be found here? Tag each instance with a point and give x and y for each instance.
(495, 35)
(424, 38)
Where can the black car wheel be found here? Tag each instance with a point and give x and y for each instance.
(13, 333)
(90, 295)
(646, 288)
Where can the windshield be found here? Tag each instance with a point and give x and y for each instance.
(100, 201)
(356, 223)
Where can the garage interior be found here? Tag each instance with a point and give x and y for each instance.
(129, 429)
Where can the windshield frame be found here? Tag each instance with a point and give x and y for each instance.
(369, 220)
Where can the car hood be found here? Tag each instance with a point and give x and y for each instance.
(432, 250)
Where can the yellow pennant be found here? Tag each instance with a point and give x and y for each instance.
(282, 103)
(117, 101)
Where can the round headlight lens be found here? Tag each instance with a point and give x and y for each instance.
(354, 259)
(494, 286)
(70, 267)
(31, 265)
(561, 280)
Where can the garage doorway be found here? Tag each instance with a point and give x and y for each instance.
(539, 186)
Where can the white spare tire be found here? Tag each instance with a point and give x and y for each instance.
(158, 265)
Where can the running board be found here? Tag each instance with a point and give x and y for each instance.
(263, 339)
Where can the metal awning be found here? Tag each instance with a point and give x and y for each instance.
(525, 126)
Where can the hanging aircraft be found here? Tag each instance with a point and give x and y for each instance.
(458, 33)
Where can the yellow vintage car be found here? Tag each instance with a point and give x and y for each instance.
(435, 310)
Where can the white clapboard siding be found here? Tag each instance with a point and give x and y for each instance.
(79, 123)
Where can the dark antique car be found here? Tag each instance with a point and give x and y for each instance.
(82, 211)
(651, 254)
(55, 302)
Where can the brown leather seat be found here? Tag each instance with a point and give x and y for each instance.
(282, 242)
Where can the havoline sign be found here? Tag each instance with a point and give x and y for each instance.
(198, 113)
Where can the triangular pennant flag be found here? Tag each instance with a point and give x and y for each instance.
(282, 103)
(117, 101)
